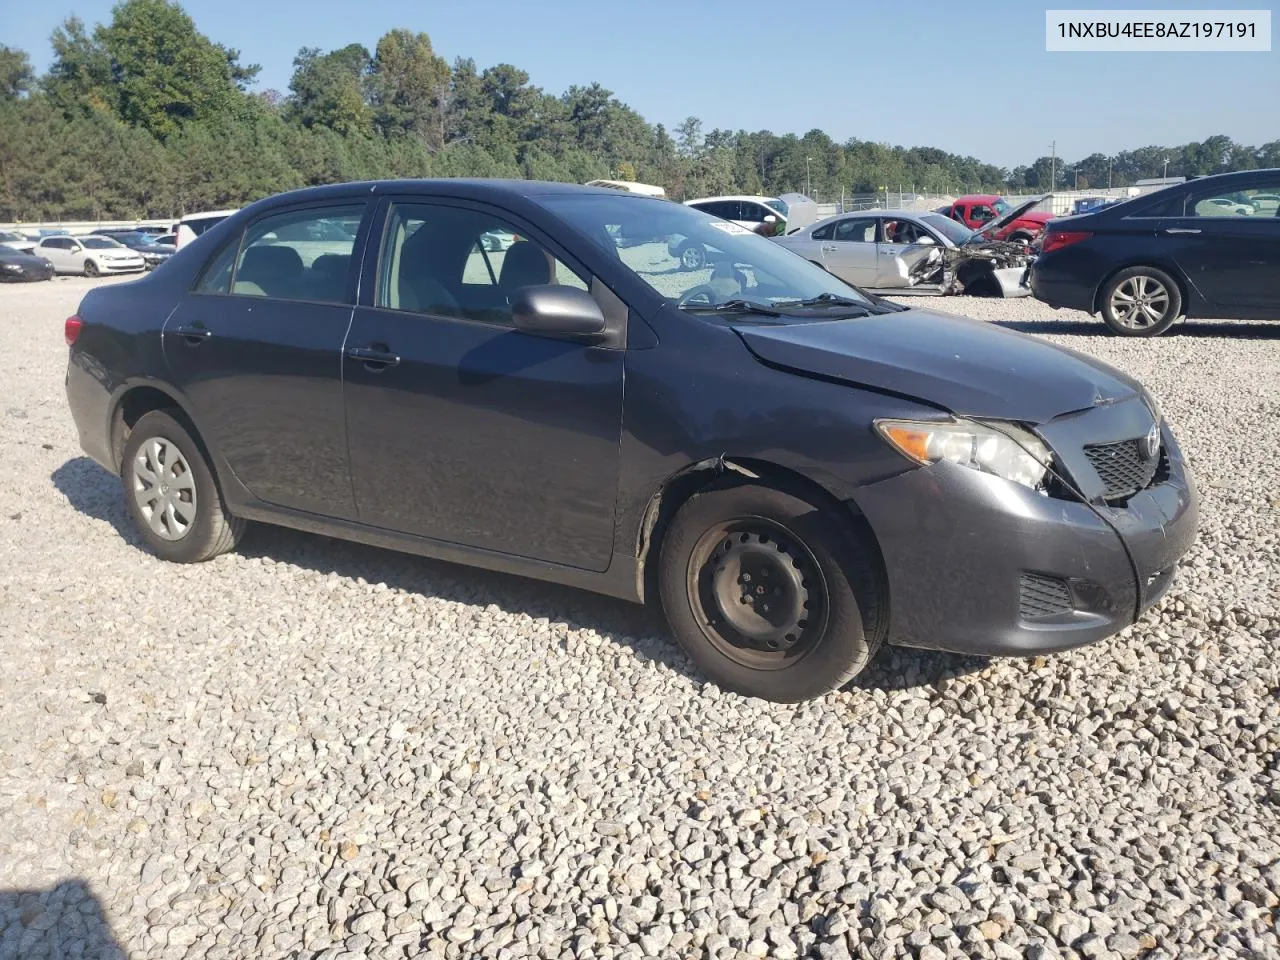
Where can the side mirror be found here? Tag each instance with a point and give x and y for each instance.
(926, 240)
(771, 219)
(555, 310)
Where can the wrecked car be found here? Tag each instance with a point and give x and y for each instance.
(916, 252)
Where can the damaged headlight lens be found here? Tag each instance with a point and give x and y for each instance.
(1005, 451)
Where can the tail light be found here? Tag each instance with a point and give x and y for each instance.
(71, 329)
(1057, 239)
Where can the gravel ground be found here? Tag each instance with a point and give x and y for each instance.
(314, 749)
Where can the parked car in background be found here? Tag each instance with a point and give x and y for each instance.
(630, 186)
(19, 267)
(12, 240)
(1146, 262)
(766, 216)
(1265, 202)
(797, 473)
(91, 255)
(153, 254)
(910, 251)
(194, 224)
(975, 211)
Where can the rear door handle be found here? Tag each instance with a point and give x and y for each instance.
(194, 335)
(376, 357)
(1181, 230)
(829, 248)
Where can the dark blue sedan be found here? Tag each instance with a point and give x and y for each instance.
(1206, 248)
(796, 471)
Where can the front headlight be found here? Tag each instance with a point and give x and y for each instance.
(1005, 450)
(11, 267)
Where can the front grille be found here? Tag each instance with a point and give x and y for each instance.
(1040, 596)
(1122, 467)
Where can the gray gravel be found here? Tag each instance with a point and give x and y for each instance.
(313, 749)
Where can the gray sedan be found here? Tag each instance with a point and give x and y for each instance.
(909, 251)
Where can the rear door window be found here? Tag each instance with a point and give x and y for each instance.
(299, 255)
(857, 230)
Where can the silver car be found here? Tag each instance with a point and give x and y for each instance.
(912, 251)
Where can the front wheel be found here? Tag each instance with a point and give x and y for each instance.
(90, 268)
(769, 594)
(171, 494)
(1141, 302)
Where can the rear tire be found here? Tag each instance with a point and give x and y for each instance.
(90, 268)
(1140, 302)
(693, 256)
(171, 494)
(770, 595)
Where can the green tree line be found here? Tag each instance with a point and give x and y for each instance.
(145, 116)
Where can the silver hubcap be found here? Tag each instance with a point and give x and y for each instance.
(1140, 302)
(164, 489)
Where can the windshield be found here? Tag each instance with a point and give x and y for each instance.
(6, 236)
(99, 243)
(780, 206)
(957, 233)
(692, 258)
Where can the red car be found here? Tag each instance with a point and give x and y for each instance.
(977, 210)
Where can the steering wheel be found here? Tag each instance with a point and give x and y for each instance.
(703, 292)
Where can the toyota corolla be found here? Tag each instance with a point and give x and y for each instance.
(797, 472)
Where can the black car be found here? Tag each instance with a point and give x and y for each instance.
(797, 471)
(18, 267)
(153, 254)
(1206, 248)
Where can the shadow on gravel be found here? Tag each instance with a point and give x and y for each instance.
(64, 921)
(904, 668)
(96, 493)
(1227, 330)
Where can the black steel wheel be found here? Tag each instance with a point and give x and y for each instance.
(771, 595)
(758, 591)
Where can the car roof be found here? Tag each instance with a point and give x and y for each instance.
(736, 196)
(976, 197)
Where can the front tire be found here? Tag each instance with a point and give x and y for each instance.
(770, 595)
(90, 268)
(171, 494)
(1140, 302)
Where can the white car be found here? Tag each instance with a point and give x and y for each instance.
(1222, 206)
(16, 241)
(194, 224)
(92, 256)
(764, 215)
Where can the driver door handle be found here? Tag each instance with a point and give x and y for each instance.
(375, 357)
(1181, 230)
(829, 248)
(194, 335)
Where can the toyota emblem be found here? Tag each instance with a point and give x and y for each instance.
(1151, 442)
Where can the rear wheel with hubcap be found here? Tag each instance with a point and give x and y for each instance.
(770, 595)
(1141, 302)
(171, 494)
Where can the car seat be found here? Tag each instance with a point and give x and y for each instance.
(524, 265)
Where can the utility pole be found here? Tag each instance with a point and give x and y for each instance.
(808, 180)
(1166, 168)
(1053, 164)
(1110, 160)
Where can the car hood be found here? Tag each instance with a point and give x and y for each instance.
(27, 261)
(968, 367)
(992, 227)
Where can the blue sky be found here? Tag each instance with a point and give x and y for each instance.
(972, 78)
